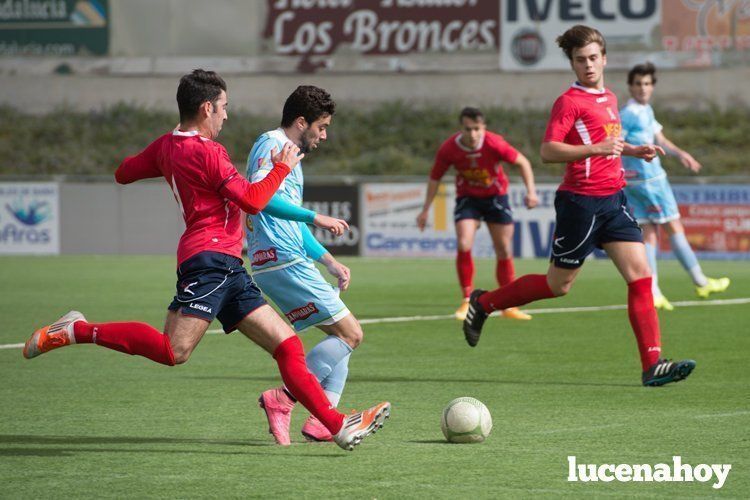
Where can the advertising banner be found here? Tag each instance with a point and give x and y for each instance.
(29, 218)
(530, 28)
(341, 202)
(379, 27)
(54, 27)
(716, 220)
(389, 213)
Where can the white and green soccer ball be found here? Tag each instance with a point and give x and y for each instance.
(466, 420)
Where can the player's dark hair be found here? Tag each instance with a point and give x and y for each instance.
(196, 88)
(579, 36)
(309, 102)
(472, 114)
(642, 70)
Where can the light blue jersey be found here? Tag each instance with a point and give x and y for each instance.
(278, 251)
(639, 126)
(274, 243)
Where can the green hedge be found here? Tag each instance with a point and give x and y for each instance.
(392, 139)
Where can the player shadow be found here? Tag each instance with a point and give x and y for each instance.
(430, 441)
(417, 380)
(62, 446)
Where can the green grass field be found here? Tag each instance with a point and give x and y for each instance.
(85, 421)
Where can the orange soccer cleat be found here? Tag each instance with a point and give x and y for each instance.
(515, 313)
(58, 334)
(358, 426)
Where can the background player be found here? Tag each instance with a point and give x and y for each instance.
(648, 190)
(481, 195)
(591, 208)
(283, 250)
(212, 282)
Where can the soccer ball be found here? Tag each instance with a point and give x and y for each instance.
(466, 420)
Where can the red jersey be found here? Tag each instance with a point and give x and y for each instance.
(206, 186)
(479, 172)
(587, 116)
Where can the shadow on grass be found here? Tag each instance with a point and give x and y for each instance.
(413, 380)
(61, 445)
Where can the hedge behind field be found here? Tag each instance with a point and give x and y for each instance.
(393, 139)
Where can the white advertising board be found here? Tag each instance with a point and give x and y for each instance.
(389, 212)
(29, 218)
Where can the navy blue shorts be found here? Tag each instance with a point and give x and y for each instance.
(494, 209)
(585, 222)
(215, 285)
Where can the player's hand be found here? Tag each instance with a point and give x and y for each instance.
(611, 146)
(689, 162)
(289, 155)
(422, 219)
(339, 271)
(531, 200)
(336, 227)
(648, 151)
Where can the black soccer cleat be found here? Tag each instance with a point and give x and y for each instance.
(475, 318)
(665, 371)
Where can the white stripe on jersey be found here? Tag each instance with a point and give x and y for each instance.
(586, 139)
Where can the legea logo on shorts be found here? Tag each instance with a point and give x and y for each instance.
(658, 473)
(263, 256)
(301, 313)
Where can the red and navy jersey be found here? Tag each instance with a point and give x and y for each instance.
(587, 116)
(479, 172)
(207, 188)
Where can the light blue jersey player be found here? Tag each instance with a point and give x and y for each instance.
(648, 190)
(282, 251)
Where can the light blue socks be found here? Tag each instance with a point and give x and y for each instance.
(687, 258)
(651, 255)
(329, 362)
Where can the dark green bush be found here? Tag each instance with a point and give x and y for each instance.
(392, 139)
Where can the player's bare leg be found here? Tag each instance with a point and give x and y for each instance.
(704, 286)
(466, 230)
(184, 332)
(502, 241)
(630, 259)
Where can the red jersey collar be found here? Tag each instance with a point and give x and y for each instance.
(469, 150)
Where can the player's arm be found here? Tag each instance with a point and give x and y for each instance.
(281, 209)
(645, 151)
(527, 174)
(439, 168)
(685, 158)
(559, 152)
(252, 197)
(141, 166)
(318, 252)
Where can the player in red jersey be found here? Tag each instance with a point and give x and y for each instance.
(584, 132)
(481, 195)
(212, 282)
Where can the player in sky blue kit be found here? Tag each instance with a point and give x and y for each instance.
(282, 249)
(648, 189)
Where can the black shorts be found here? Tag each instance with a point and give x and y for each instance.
(215, 285)
(494, 209)
(586, 222)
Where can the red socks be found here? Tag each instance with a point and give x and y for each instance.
(644, 321)
(504, 271)
(465, 268)
(130, 338)
(525, 289)
(303, 385)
